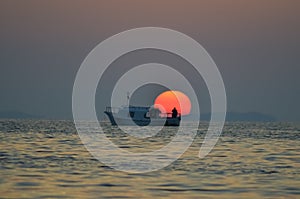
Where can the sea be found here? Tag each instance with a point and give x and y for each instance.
(47, 159)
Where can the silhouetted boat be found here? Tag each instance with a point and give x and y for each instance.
(142, 116)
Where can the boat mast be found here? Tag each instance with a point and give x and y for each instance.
(128, 97)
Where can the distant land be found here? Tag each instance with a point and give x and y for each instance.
(17, 115)
(243, 117)
(230, 116)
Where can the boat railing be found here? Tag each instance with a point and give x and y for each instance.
(168, 115)
(110, 109)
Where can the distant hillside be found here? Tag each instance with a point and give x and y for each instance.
(249, 116)
(230, 116)
(17, 115)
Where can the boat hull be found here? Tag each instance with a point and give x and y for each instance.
(121, 121)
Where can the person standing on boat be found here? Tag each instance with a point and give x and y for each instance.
(174, 112)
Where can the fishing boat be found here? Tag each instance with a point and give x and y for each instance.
(142, 116)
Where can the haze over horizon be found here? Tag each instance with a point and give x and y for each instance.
(255, 45)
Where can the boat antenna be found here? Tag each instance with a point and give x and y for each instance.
(128, 97)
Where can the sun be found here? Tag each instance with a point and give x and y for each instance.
(170, 99)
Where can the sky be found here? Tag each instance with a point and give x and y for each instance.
(255, 45)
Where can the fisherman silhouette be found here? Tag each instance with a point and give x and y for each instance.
(174, 112)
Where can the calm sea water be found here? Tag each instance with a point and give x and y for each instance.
(46, 159)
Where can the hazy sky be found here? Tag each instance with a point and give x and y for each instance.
(255, 44)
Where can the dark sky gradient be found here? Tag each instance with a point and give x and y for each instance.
(254, 43)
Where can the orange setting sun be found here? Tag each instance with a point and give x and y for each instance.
(170, 99)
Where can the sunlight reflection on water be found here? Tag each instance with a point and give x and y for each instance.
(46, 159)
